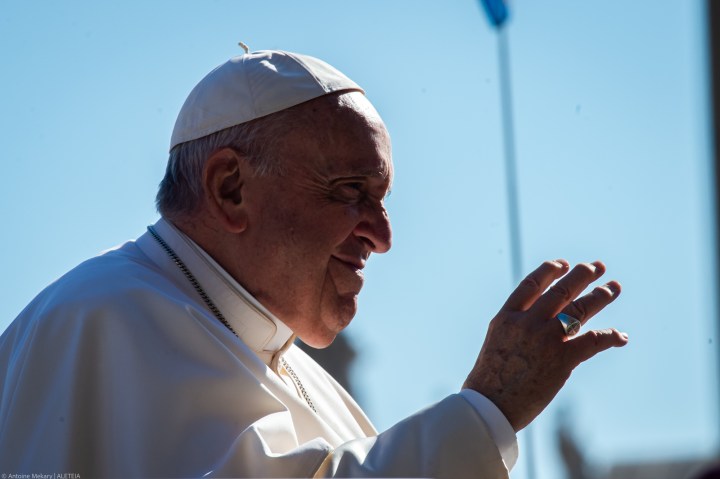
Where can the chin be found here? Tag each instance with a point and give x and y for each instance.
(318, 339)
(319, 343)
(323, 337)
(333, 317)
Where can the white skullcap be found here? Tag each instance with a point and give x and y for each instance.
(253, 85)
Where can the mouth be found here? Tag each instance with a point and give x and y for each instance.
(355, 263)
(354, 259)
(351, 281)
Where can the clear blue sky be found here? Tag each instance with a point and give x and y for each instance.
(613, 143)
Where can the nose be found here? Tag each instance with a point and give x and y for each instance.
(375, 230)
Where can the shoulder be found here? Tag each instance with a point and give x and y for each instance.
(113, 275)
(118, 285)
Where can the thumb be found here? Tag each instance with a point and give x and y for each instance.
(589, 344)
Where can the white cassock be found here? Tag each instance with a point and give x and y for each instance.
(119, 369)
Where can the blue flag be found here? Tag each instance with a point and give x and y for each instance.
(496, 11)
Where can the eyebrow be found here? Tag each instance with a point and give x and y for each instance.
(372, 172)
(364, 174)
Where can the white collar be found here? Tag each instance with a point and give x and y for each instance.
(254, 324)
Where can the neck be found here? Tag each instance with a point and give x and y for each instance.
(214, 241)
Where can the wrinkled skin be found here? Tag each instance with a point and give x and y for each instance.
(298, 242)
(526, 357)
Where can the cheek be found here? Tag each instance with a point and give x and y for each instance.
(298, 233)
(336, 309)
(323, 233)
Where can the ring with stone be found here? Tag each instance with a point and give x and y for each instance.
(570, 325)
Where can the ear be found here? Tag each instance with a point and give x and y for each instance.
(224, 176)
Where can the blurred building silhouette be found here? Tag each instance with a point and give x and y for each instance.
(578, 467)
(338, 358)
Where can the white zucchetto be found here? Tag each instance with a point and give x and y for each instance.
(251, 86)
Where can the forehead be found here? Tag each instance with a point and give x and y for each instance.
(345, 137)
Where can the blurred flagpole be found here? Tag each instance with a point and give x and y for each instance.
(497, 12)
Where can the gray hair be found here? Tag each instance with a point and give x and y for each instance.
(259, 141)
(181, 190)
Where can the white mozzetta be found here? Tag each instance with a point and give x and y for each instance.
(118, 369)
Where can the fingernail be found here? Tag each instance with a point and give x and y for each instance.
(624, 335)
(612, 287)
(607, 288)
(562, 263)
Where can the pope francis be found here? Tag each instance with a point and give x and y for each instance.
(173, 355)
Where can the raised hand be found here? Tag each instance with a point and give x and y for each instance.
(527, 357)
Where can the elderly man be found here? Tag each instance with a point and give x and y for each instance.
(173, 355)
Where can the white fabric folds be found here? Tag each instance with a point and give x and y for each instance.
(118, 369)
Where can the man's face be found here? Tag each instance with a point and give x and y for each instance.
(315, 225)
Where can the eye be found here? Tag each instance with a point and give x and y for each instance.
(351, 190)
(355, 185)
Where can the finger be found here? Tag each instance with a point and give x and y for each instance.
(567, 289)
(530, 288)
(592, 303)
(589, 344)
